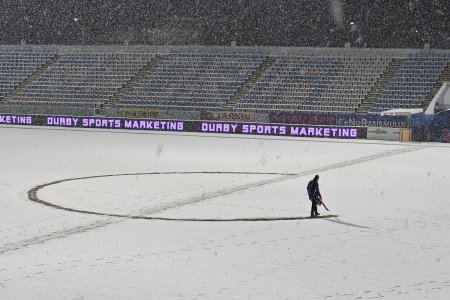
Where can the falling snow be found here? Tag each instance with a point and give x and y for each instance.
(374, 24)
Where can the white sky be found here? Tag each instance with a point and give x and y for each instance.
(390, 238)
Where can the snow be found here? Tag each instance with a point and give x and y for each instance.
(390, 237)
(403, 111)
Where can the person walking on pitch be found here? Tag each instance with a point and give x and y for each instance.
(314, 195)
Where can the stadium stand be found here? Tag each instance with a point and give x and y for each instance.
(191, 81)
(336, 84)
(17, 66)
(80, 80)
(86, 80)
(412, 82)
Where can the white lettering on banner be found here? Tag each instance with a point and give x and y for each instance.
(324, 132)
(364, 122)
(20, 120)
(62, 121)
(218, 127)
(154, 125)
(263, 129)
(101, 123)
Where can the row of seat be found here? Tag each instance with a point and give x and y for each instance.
(411, 84)
(195, 77)
(182, 77)
(44, 102)
(332, 80)
(84, 77)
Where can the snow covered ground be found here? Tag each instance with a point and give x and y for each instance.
(390, 238)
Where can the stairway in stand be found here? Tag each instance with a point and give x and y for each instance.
(249, 84)
(129, 85)
(380, 85)
(22, 85)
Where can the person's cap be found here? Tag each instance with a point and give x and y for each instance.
(316, 177)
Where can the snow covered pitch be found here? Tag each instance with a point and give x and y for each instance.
(138, 215)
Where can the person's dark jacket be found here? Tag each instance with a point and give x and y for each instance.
(313, 189)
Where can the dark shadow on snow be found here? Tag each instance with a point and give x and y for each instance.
(336, 220)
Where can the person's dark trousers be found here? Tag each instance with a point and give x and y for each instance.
(314, 207)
